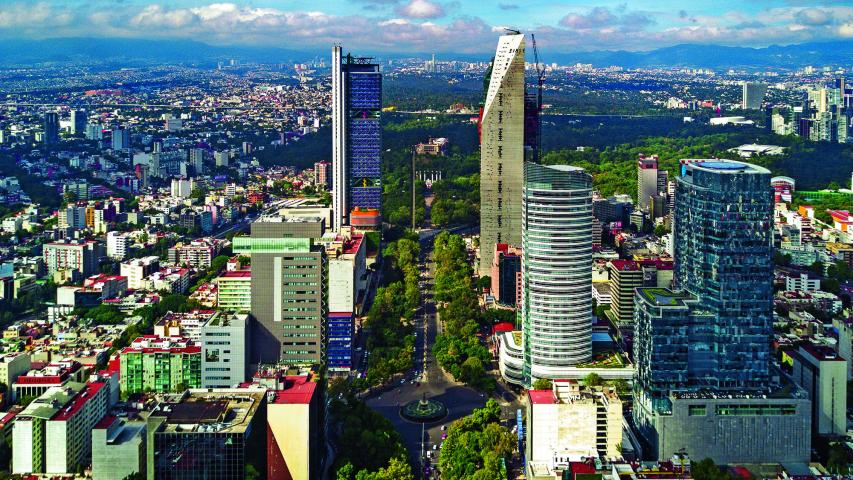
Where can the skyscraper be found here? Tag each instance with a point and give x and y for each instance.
(703, 379)
(753, 95)
(647, 181)
(78, 122)
(556, 270)
(51, 128)
(121, 138)
(502, 150)
(356, 136)
(288, 285)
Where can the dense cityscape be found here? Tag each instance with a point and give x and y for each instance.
(344, 265)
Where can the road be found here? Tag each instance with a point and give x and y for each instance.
(459, 399)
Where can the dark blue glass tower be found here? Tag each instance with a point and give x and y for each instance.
(356, 137)
(723, 257)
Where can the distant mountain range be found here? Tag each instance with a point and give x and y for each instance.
(134, 51)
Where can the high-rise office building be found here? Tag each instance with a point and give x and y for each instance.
(197, 160)
(288, 285)
(356, 136)
(121, 138)
(322, 174)
(78, 122)
(753, 95)
(502, 138)
(647, 181)
(51, 128)
(703, 379)
(556, 270)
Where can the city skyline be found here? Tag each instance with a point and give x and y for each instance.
(435, 25)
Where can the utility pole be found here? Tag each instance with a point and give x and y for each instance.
(413, 189)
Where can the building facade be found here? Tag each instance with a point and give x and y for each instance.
(570, 423)
(224, 340)
(823, 375)
(288, 290)
(556, 270)
(154, 364)
(703, 380)
(502, 150)
(234, 293)
(506, 267)
(356, 136)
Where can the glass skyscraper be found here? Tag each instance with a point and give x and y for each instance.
(723, 257)
(556, 269)
(356, 136)
(703, 380)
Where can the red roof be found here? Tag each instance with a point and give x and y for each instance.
(238, 274)
(105, 422)
(299, 390)
(625, 265)
(503, 327)
(78, 401)
(353, 245)
(541, 397)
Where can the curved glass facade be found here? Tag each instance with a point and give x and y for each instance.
(556, 269)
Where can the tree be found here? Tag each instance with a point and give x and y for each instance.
(542, 384)
(484, 282)
(252, 473)
(661, 230)
(838, 459)
(592, 380)
(707, 470)
(346, 472)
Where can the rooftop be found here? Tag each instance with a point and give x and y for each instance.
(299, 389)
(210, 410)
(663, 297)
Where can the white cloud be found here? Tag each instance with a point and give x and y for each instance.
(421, 9)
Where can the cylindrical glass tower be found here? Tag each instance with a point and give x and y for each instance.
(556, 269)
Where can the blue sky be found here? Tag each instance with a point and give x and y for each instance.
(462, 26)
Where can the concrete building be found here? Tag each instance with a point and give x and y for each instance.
(346, 255)
(119, 448)
(571, 423)
(12, 365)
(288, 285)
(556, 270)
(208, 433)
(199, 253)
(222, 158)
(157, 364)
(502, 150)
(844, 347)
(184, 324)
(802, 283)
(625, 276)
(224, 340)
(138, 269)
(356, 136)
(78, 122)
(823, 374)
(117, 243)
(75, 255)
(293, 425)
(322, 174)
(234, 292)
(647, 181)
(506, 268)
(53, 434)
(181, 187)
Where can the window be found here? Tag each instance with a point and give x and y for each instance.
(696, 410)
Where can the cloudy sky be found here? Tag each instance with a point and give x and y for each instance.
(464, 26)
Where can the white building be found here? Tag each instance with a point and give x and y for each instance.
(802, 283)
(181, 187)
(347, 272)
(53, 434)
(556, 270)
(571, 423)
(502, 151)
(117, 245)
(823, 374)
(224, 339)
(136, 270)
